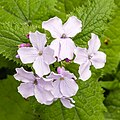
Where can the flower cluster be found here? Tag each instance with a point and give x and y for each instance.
(48, 86)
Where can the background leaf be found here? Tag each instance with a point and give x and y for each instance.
(11, 35)
(95, 16)
(112, 100)
(112, 103)
(26, 11)
(12, 105)
(112, 48)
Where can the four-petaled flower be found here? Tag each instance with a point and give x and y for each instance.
(39, 55)
(91, 56)
(64, 84)
(63, 44)
(34, 86)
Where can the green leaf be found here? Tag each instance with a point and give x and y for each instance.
(110, 85)
(12, 105)
(95, 16)
(111, 81)
(11, 35)
(112, 103)
(112, 48)
(27, 11)
(68, 6)
(6, 63)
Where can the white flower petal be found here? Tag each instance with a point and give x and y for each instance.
(55, 45)
(54, 76)
(48, 55)
(27, 54)
(43, 96)
(84, 71)
(72, 26)
(69, 75)
(54, 26)
(26, 89)
(98, 60)
(65, 73)
(56, 89)
(67, 102)
(41, 68)
(38, 40)
(81, 55)
(47, 79)
(23, 75)
(71, 99)
(94, 44)
(67, 48)
(68, 87)
(47, 85)
(49, 102)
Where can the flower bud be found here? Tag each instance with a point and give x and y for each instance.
(17, 56)
(27, 36)
(28, 44)
(67, 60)
(24, 45)
(60, 70)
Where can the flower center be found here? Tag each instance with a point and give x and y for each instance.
(40, 53)
(62, 78)
(35, 82)
(89, 57)
(63, 35)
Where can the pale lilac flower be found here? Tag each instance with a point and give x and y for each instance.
(91, 56)
(34, 86)
(67, 102)
(63, 44)
(39, 55)
(64, 84)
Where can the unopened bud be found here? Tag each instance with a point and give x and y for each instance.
(24, 45)
(60, 70)
(17, 56)
(28, 36)
(67, 60)
(28, 44)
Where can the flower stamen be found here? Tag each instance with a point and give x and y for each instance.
(89, 57)
(62, 78)
(35, 82)
(40, 53)
(63, 35)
